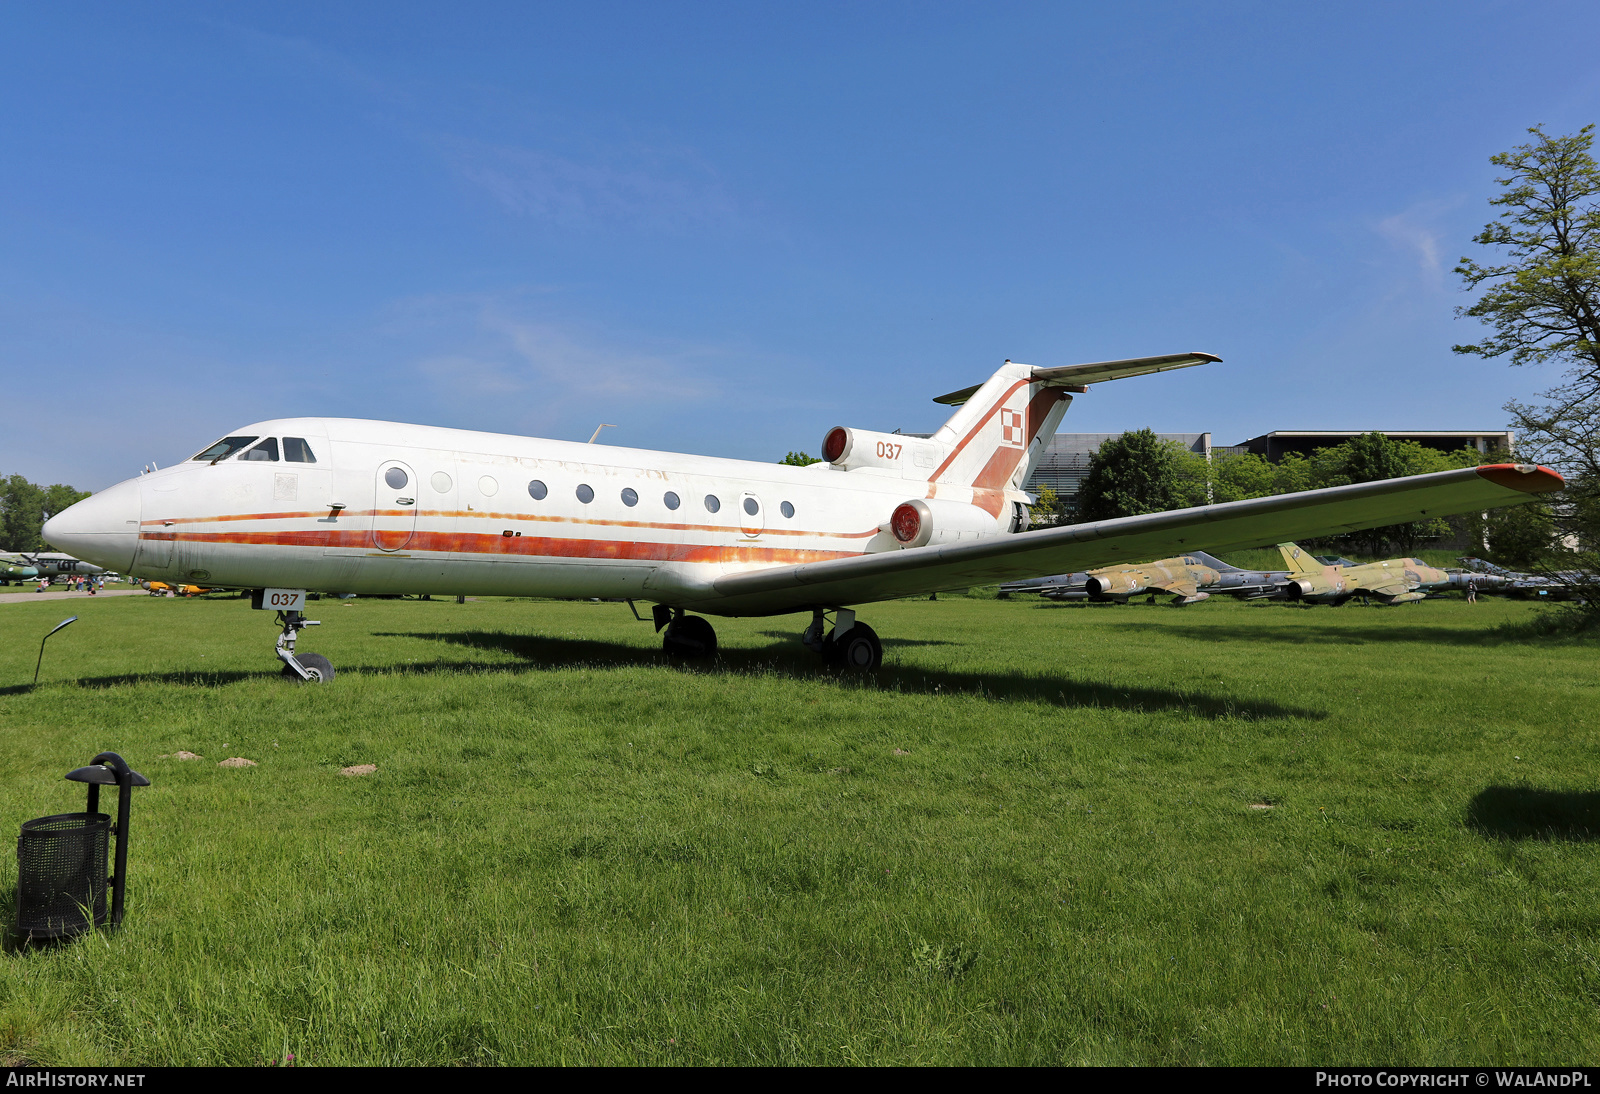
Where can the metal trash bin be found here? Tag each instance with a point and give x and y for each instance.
(62, 859)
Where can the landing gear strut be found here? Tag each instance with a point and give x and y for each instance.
(850, 645)
(309, 668)
(687, 636)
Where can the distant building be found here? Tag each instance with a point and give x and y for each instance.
(1065, 463)
(1279, 443)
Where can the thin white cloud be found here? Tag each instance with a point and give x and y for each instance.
(663, 190)
(1416, 232)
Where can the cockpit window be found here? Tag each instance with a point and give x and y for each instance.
(225, 448)
(295, 450)
(266, 450)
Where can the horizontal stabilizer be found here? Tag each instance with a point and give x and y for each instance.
(1096, 372)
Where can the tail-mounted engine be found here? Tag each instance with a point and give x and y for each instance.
(932, 521)
(914, 457)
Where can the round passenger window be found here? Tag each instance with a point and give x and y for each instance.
(786, 509)
(537, 490)
(488, 487)
(441, 482)
(585, 493)
(396, 478)
(630, 496)
(751, 506)
(712, 504)
(670, 500)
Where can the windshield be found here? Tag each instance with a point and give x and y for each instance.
(225, 448)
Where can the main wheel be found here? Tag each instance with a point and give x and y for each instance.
(689, 636)
(859, 650)
(320, 668)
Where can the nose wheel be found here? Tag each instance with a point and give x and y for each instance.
(305, 668)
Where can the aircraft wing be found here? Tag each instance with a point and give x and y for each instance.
(889, 574)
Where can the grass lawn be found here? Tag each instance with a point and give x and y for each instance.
(1044, 833)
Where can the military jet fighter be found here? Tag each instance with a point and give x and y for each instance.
(1491, 578)
(1392, 581)
(1183, 576)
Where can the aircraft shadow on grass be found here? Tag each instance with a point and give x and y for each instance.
(1321, 635)
(790, 658)
(536, 652)
(1528, 812)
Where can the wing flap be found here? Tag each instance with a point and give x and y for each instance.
(890, 574)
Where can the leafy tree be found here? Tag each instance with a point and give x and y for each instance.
(1542, 304)
(798, 459)
(1133, 474)
(1048, 510)
(23, 506)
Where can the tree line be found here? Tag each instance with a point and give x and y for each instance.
(24, 507)
(1139, 473)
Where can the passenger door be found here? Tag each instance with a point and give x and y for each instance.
(394, 505)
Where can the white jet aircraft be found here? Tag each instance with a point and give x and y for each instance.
(344, 505)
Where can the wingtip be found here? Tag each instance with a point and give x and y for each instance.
(1527, 477)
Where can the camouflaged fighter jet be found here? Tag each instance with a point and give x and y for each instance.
(25, 566)
(1182, 576)
(1392, 581)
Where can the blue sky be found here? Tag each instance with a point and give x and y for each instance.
(726, 228)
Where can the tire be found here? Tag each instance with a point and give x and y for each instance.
(689, 636)
(859, 650)
(320, 668)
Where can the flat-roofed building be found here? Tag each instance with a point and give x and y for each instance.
(1280, 442)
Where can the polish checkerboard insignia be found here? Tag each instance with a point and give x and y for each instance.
(1011, 427)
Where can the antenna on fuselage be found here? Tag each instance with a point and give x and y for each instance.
(598, 428)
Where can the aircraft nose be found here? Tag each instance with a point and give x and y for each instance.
(102, 528)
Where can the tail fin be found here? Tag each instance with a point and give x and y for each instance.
(1297, 560)
(993, 442)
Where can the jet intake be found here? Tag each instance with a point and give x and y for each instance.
(921, 522)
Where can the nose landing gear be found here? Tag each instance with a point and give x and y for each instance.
(308, 668)
(850, 645)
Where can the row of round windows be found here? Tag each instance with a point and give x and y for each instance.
(397, 479)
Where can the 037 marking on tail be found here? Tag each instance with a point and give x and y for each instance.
(356, 506)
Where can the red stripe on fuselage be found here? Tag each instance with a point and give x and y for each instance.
(471, 543)
(345, 514)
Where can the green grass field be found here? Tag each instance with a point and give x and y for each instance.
(1226, 834)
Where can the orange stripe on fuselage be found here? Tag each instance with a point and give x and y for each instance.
(475, 514)
(472, 543)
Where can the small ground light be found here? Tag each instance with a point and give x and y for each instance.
(42, 641)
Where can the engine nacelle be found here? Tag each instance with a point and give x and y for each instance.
(1298, 588)
(921, 522)
(847, 449)
(1116, 583)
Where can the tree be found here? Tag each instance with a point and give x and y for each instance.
(23, 506)
(1133, 474)
(798, 459)
(1048, 510)
(1543, 305)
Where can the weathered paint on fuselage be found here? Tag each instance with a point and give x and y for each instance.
(464, 521)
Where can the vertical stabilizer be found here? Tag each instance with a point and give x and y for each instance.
(1297, 560)
(993, 441)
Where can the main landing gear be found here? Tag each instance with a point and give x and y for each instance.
(687, 637)
(850, 645)
(307, 668)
